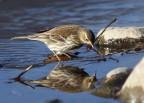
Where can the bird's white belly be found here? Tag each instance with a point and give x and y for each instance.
(60, 48)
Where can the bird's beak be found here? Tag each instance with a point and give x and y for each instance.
(91, 44)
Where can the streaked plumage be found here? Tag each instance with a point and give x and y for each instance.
(68, 79)
(63, 39)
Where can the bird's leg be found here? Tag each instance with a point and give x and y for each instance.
(67, 55)
(56, 56)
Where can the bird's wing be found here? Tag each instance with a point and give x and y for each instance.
(55, 34)
(61, 32)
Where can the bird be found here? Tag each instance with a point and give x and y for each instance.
(70, 79)
(63, 39)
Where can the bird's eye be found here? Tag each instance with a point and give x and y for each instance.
(89, 80)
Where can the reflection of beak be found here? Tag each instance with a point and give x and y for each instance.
(94, 76)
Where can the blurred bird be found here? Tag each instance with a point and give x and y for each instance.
(68, 79)
(63, 39)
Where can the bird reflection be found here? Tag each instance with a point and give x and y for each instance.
(67, 79)
(73, 79)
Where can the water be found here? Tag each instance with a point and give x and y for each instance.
(27, 17)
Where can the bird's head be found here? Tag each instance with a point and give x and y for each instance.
(87, 36)
(88, 82)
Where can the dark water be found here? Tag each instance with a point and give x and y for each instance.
(19, 17)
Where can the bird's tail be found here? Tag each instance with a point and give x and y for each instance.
(20, 37)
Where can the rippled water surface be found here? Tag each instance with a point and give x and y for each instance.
(23, 17)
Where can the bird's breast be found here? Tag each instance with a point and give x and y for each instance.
(67, 46)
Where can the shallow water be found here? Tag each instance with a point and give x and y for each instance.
(27, 17)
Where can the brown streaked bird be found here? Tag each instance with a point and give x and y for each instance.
(68, 79)
(63, 39)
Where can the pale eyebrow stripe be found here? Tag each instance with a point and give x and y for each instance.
(85, 36)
